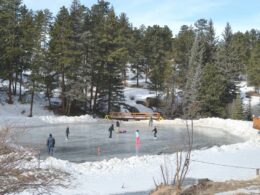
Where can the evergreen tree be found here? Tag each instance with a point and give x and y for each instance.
(241, 49)
(112, 86)
(48, 71)
(99, 13)
(253, 69)
(158, 42)
(237, 109)
(182, 45)
(227, 63)
(202, 53)
(124, 39)
(38, 58)
(61, 51)
(26, 44)
(211, 92)
(10, 51)
(137, 56)
(87, 71)
(76, 84)
(191, 104)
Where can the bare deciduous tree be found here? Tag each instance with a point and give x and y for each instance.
(182, 166)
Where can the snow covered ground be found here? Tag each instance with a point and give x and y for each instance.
(137, 173)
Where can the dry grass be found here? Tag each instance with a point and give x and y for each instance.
(210, 188)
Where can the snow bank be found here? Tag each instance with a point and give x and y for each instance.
(136, 174)
(243, 129)
(66, 119)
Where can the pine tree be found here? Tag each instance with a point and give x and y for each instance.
(26, 44)
(182, 45)
(158, 42)
(253, 69)
(76, 84)
(237, 109)
(49, 75)
(227, 63)
(241, 49)
(191, 104)
(124, 39)
(112, 86)
(202, 53)
(211, 92)
(137, 57)
(61, 51)
(99, 13)
(87, 72)
(38, 58)
(10, 51)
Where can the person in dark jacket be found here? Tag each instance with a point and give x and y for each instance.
(155, 132)
(111, 128)
(50, 144)
(67, 132)
(117, 127)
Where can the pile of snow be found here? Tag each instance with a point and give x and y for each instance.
(239, 128)
(66, 119)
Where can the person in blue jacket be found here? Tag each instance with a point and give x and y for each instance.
(50, 144)
(111, 129)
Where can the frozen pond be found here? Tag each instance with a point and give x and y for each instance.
(85, 139)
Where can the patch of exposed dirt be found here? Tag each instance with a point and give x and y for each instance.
(210, 187)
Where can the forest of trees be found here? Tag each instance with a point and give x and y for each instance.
(85, 52)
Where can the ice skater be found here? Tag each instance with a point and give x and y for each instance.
(117, 127)
(67, 132)
(111, 129)
(151, 121)
(137, 137)
(50, 144)
(155, 132)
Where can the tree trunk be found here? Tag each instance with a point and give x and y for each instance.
(86, 99)
(48, 96)
(137, 77)
(68, 107)
(10, 101)
(91, 96)
(20, 87)
(124, 75)
(32, 98)
(146, 75)
(109, 89)
(63, 88)
(95, 98)
(15, 83)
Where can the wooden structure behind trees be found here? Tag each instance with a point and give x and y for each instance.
(256, 122)
(133, 115)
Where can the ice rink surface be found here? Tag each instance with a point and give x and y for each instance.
(90, 142)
